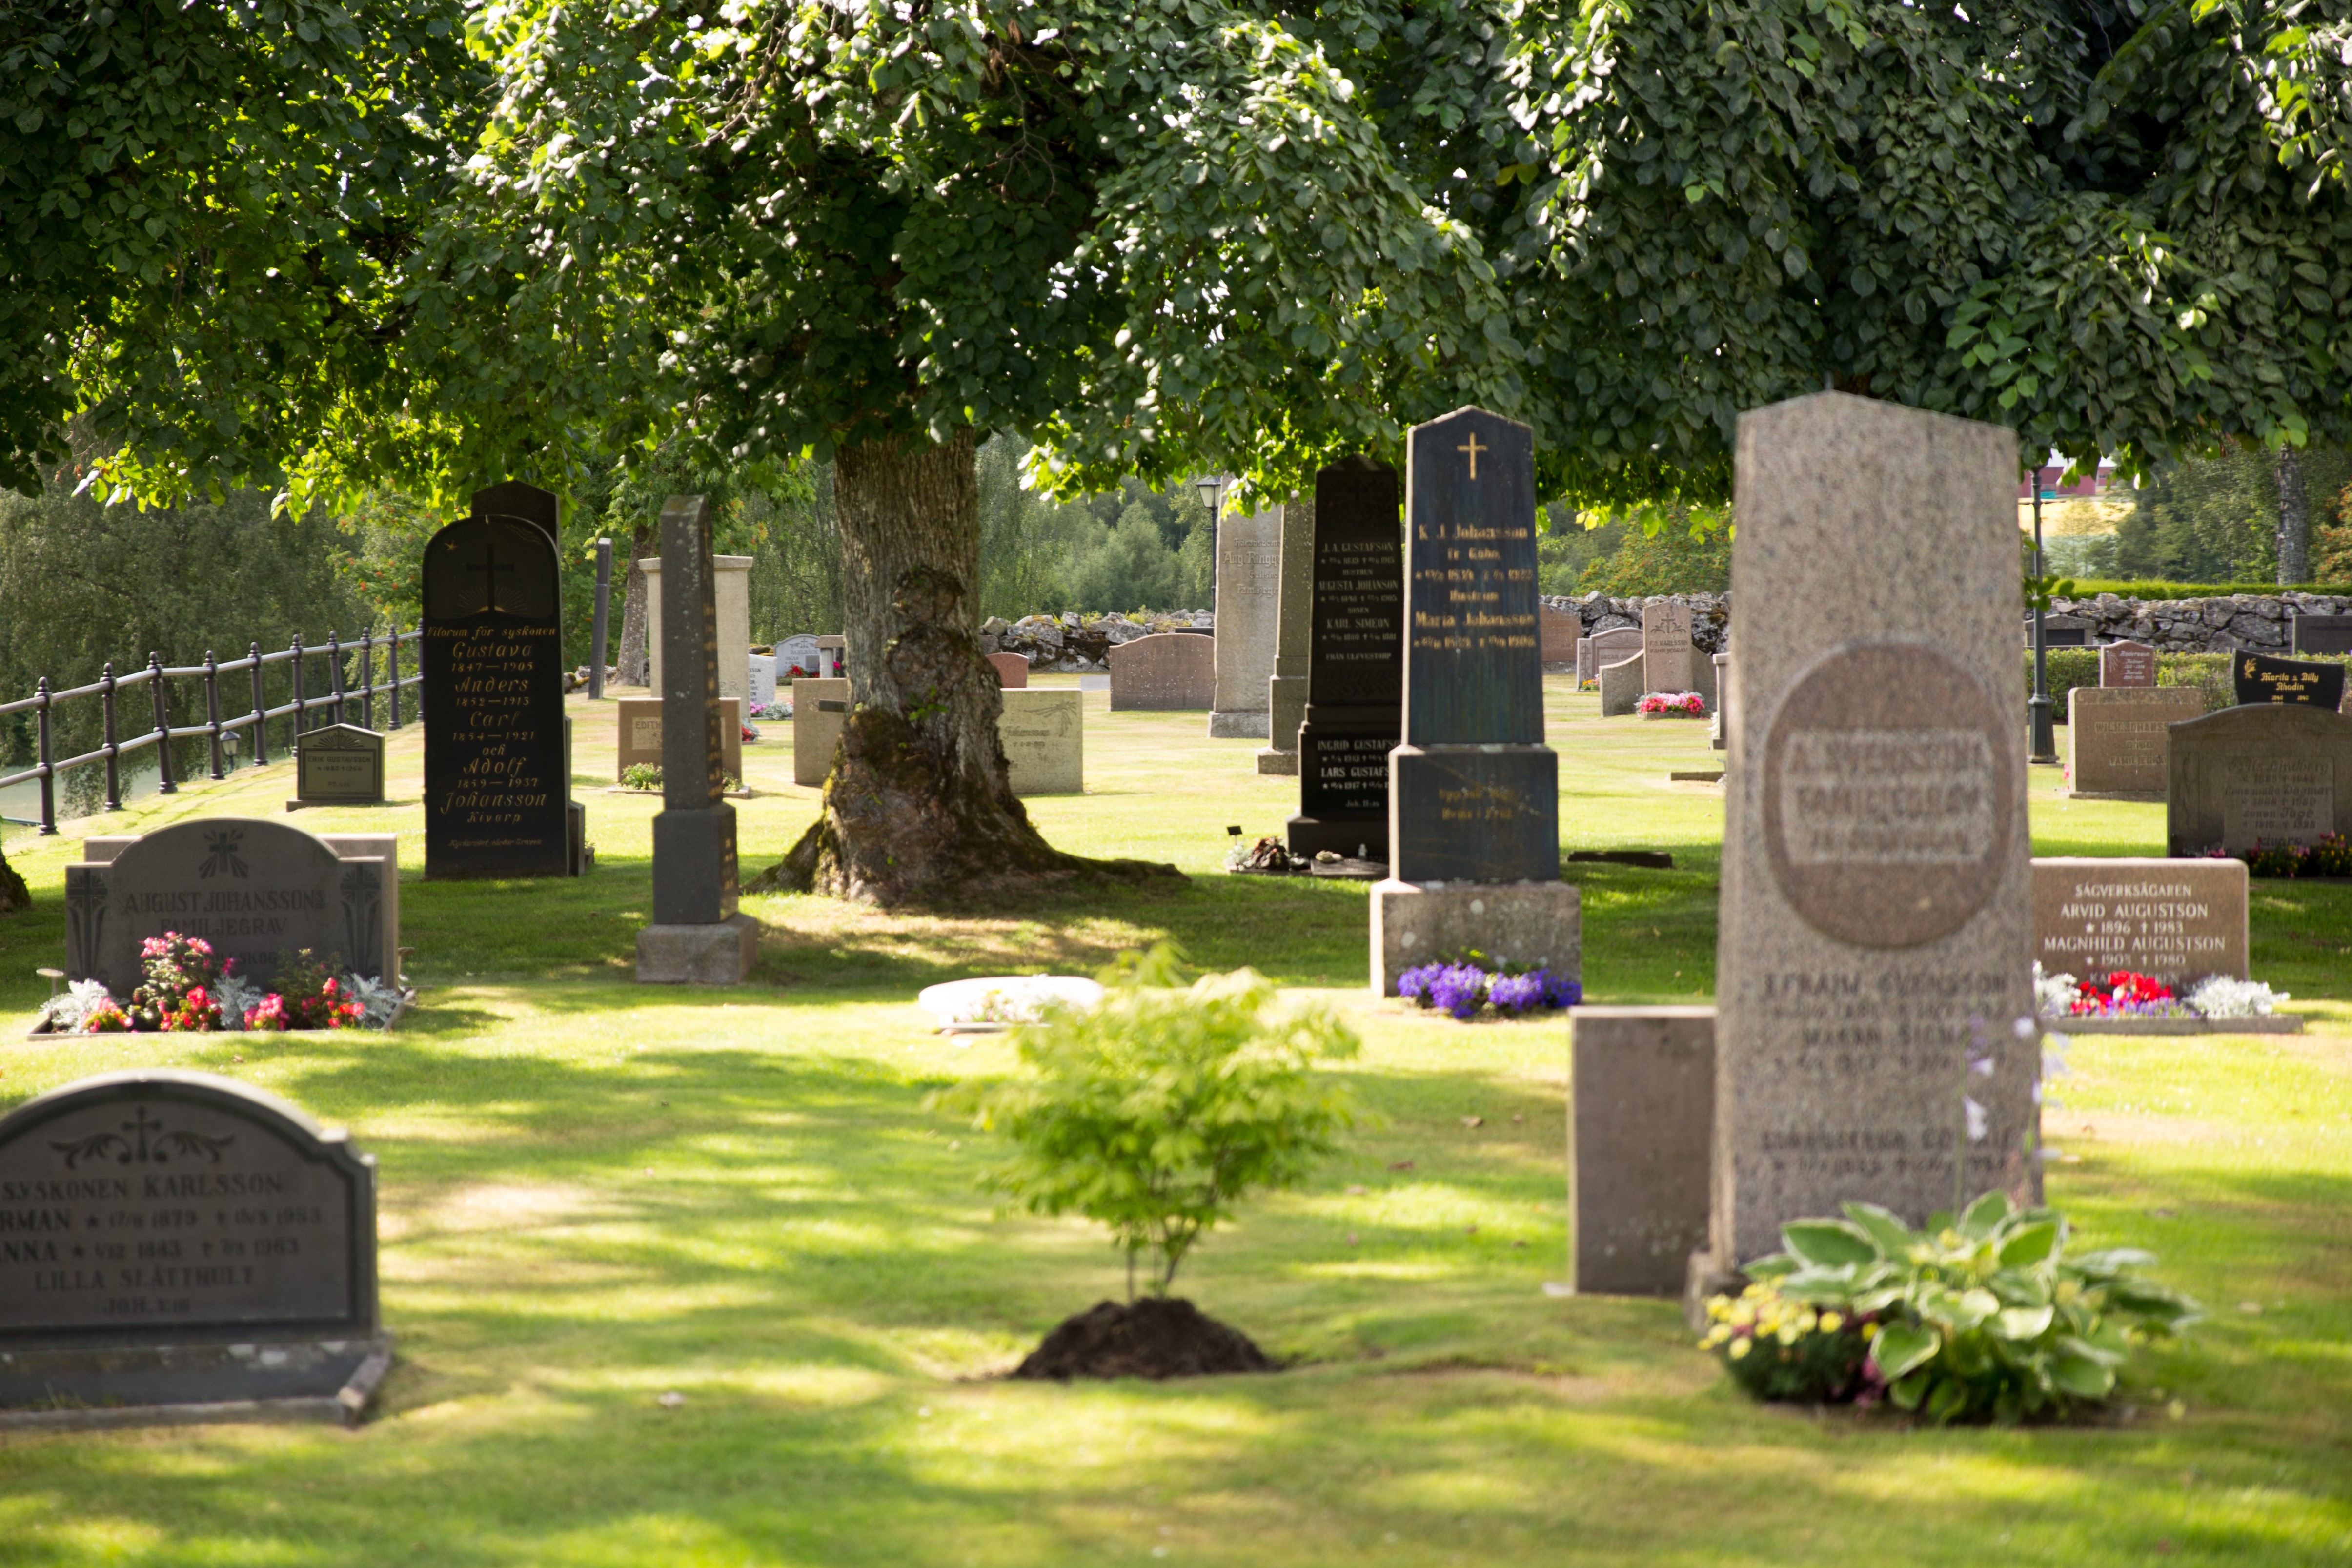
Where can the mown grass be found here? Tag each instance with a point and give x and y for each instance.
(594, 1193)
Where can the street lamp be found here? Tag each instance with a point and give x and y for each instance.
(2044, 734)
(1213, 496)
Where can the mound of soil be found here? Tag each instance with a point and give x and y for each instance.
(1155, 1336)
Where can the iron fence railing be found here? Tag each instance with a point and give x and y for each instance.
(109, 688)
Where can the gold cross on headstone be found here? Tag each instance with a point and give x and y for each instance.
(1474, 450)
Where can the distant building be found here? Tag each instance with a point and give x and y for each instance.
(2090, 486)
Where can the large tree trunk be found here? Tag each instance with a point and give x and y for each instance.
(2294, 519)
(917, 807)
(637, 654)
(13, 895)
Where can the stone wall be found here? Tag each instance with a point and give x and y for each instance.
(2174, 625)
(1071, 642)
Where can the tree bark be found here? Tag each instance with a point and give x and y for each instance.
(917, 807)
(635, 661)
(2294, 519)
(14, 894)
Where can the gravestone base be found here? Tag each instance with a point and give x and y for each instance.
(1240, 724)
(2143, 796)
(1535, 924)
(1277, 763)
(1310, 836)
(92, 1388)
(720, 953)
(1622, 688)
(1481, 813)
(1641, 1124)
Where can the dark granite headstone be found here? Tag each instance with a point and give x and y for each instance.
(498, 772)
(339, 764)
(518, 503)
(251, 886)
(2060, 631)
(176, 1238)
(2261, 679)
(2269, 772)
(1474, 794)
(694, 833)
(2323, 633)
(1355, 669)
(1640, 1118)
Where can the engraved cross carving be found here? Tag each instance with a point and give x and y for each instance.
(489, 567)
(1473, 447)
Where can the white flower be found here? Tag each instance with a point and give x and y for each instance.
(1980, 1123)
(2221, 996)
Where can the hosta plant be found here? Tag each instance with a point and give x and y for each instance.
(1984, 1317)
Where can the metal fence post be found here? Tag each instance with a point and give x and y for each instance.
(167, 784)
(394, 656)
(301, 710)
(367, 677)
(49, 778)
(335, 674)
(212, 709)
(113, 773)
(602, 619)
(260, 708)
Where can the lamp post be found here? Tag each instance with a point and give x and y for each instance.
(2044, 735)
(602, 616)
(1213, 496)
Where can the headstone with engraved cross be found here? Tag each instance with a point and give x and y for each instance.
(1474, 794)
(698, 935)
(498, 766)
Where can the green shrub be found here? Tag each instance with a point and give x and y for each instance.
(1978, 1318)
(649, 776)
(1158, 1109)
(2153, 591)
(1776, 1348)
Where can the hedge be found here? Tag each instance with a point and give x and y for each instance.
(2083, 590)
(2072, 667)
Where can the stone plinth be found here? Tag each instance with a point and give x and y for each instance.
(2116, 737)
(1167, 671)
(2179, 920)
(1876, 887)
(1286, 697)
(2262, 773)
(1249, 603)
(1042, 731)
(1535, 924)
(731, 587)
(716, 952)
(1640, 1123)
(819, 712)
(1623, 687)
(638, 729)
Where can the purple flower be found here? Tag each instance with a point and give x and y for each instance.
(1415, 982)
(1458, 989)
(1558, 990)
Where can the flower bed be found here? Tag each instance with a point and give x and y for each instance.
(2126, 998)
(2330, 855)
(1467, 985)
(1672, 705)
(189, 989)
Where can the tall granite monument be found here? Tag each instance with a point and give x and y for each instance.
(1876, 895)
(1249, 581)
(1286, 694)
(698, 935)
(498, 749)
(1355, 679)
(1474, 792)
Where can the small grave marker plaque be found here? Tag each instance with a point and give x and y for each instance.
(2179, 920)
(2126, 664)
(339, 764)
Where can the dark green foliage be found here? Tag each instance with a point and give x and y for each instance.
(2215, 519)
(1131, 548)
(2157, 592)
(1667, 561)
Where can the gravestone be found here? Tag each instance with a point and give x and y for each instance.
(338, 765)
(2322, 634)
(1474, 794)
(1285, 697)
(731, 606)
(1641, 1114)
(832, 656)
(1615, 645)
(251, 886)
(2115, 736)
(796, 655)
(1668, 656)
(182, 1241)
(2179, 920)
(2126, 664)
(1624, 684)
(1720, 726)
(1355, 667)
(640, 735)
(1249, 599)
(819, 713)
(1561, 635)
(2262, 774)
(762, 686)
(2261, 679)
(1876, 887)
(1011, 670)
(498, 749)
(1042, 731)
(1167, 671)
(698, 936)
(2060, 631)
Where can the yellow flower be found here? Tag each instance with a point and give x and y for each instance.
(1869, 1332)
(1831, 1322)
(1719, 1308)
(1715, 1336)
(1806, 1318)
(1741, 1347)
(1790, 1334)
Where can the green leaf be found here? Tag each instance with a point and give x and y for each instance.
(2023, 1323)
(1828, 1243)
(1894, 1238)
(1901, 1347)
(2081, 1375)
(2034, 1244)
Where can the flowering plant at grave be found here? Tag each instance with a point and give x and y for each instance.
(2124, 994)
(2226, 996)
(749, 733)
(1776, 1348)
(2330, 856)
(1683, 704)
(778, 709)
(2280, 860)
(1464, 983)
(188, 989)
(180, 969)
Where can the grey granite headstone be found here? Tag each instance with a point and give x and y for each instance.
(697, 934)
(1249, 599)
(1667, 654)
(819, 713)
(1042, 731)
(2115, 736)
(1876, 887)
(2261, 774)
(251, 886)
(1623, 683)
(2177, 921)
(2323, 633)
(1474, 794)
(1356, 661)
(1167, 671)
(1640, 1123)
(796, 653)
(339, 764)
(498, 766)
(1615, 645)
(1286, 700)
(180, 1240)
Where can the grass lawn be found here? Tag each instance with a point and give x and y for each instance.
(593, 1193)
